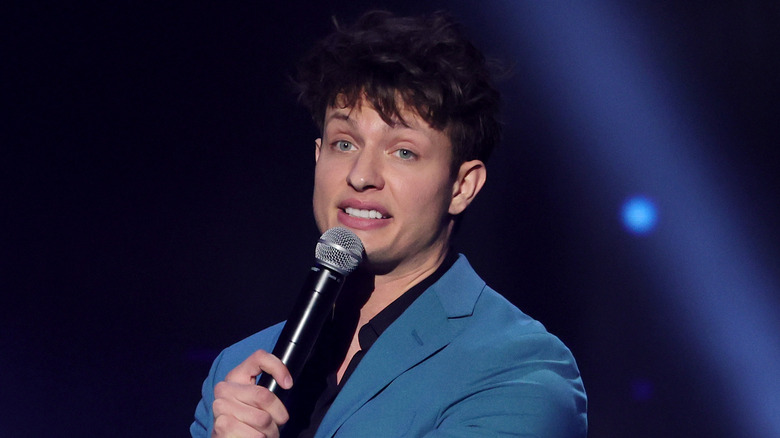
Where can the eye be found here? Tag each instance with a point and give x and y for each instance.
(405, 154)
(343, 145)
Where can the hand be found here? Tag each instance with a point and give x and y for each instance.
(244, 409)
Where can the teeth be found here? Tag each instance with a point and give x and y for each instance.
(365, 214)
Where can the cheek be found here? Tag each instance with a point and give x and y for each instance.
(424, 197)
(320, 209)
(320, 188)
(325, 177)
(326, 186)
(430, 189)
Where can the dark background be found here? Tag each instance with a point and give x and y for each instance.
(156, 208)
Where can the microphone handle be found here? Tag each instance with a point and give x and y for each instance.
(300, 332)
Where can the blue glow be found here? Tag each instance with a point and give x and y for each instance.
(602, 75)
(642, 389)
(639, 215)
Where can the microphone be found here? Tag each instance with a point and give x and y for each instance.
(339, 251)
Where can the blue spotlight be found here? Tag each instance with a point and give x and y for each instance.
(601, 74)
(639, 215)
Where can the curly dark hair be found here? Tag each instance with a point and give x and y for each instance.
(426, 61)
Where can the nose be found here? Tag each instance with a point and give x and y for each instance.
(366, 171)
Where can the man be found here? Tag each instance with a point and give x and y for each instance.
(418, 344)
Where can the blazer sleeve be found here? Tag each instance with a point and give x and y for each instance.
(223, 364)
(204, 416)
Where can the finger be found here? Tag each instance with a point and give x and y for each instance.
(259, 362)
(227, 426)
(250, 404)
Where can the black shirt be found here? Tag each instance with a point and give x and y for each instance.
(316, 388)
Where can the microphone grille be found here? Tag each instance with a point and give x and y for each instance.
(340, 249)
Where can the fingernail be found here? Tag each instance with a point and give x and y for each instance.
(288, 382)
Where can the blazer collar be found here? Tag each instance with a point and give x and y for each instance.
(423, 329)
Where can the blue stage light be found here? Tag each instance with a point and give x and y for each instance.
(622, 105)
(639, 215)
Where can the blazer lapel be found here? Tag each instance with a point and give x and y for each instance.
(422, 330)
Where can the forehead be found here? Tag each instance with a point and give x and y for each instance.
(403, 116)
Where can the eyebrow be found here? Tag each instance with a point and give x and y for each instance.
(337, 115)
(340, 116)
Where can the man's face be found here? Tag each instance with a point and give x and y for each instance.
(391, 185)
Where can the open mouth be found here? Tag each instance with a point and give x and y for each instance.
(364, 214)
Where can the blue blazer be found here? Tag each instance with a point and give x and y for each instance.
(461, 361)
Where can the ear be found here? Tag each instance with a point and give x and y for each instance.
(469, 181)
(317, 147)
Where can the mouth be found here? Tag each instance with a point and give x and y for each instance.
(364, 214)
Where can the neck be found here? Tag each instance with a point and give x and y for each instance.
(391, 285)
